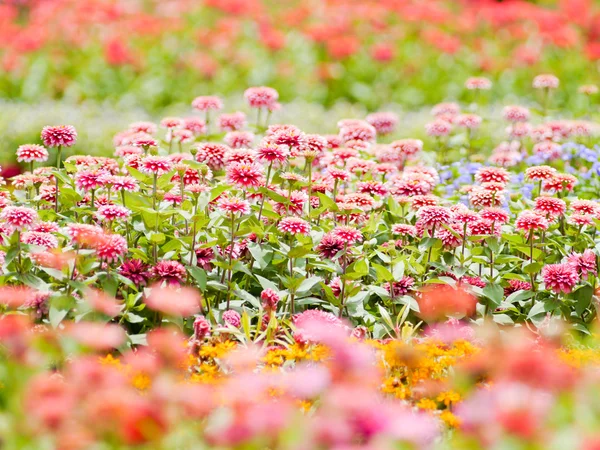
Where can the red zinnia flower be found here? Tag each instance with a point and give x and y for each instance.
(431, 216)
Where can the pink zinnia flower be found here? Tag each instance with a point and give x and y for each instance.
(516, 113)
(18, 217)
(232, 122)
(60, 135)
(347, 235)
(492, 174)
(271, 152)
(497, 215)
(338, 174)
(330, 246)
(112, 212)
(404, 229)
(481, 197)
(469, 121)
(40, 239)
(384, 122)
(31, 153)
(431, 216)
(545, 81)
(549, 206)
(206, 103)
(239, 139)
(87, 180)
(445, 109)
(478, 83)
(110, 247)
(143, 127)
(293, 225)
(234, 206)
(245, 175)
(516, 285)
(270, 299)
(584, 263)
(261, 97)
(194, 124)
(438, 128)
(538, 173)
(172, 272)
(240, 155)
(407, 147)
(201, 328)
(83, 233)
(211, 154)
(560, 182)
(174, 300)
(136, 271)
(360, 131)
(232, 317)
(581, 219)
(531, 221)
(560, 277)
(585, 206)
(156, 165)
(400, 287)
(125, 183)
(372, 187)
(45, 227)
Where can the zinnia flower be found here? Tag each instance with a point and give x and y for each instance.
(109, 247)
(550, 206)
(112, 212)
(293, 225)
(31, 153)
(206, 103)
(211, 154)
(431, 216)
(156, 165)
(172, 300)
(172, 272)
(545, 81)
(384, 122)
(45, 240)
(584, 263)
(261, 97)
(136, 271)
(232, 317)
(531, 221)
(60, 135)
(244, 175)
(347, 235)
(18, 217)
(270, 299)
(234, 206)
(560, 277)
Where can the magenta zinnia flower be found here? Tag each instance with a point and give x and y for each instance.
(112, 212)
(549, 206)
(270, 299)
(136, 271)
(60, 135)
(40, 239)
(560, 277)
(531, 221)
(211, 154)
(330, 246)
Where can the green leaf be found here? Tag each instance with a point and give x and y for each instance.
(519, 296)
(494, 292)
(199, 275)
(266, 284)
(583, 298)
(308, 284)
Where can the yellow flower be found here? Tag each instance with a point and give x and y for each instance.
(448, 398)
(141, 381)
(450, 419)
(110, 360)
(427, 403)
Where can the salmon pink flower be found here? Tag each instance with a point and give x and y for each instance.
(538, 173)
(174, 301)
(438, 128)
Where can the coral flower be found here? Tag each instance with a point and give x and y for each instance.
(61, 135)
(31, 153)
(175, 301)
(560, 277)
(109, 247)
(478, 83)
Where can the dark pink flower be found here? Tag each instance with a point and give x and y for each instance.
(172, 272)
(347, 235)
(19, 217)
(270, 299)
(245, 175)
(293, 225)
(136, 271)
(584, 263)
(232, 317)
(330, 246)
